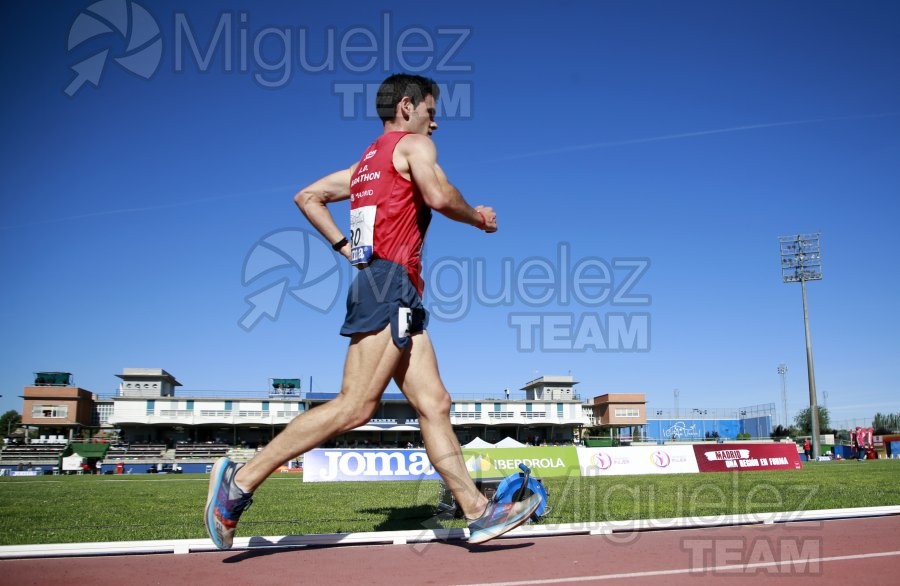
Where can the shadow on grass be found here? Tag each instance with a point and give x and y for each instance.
(404, 518)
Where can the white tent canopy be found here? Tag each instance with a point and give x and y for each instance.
(506, 442)
(478, 443)
(72, 462)
(509, 442)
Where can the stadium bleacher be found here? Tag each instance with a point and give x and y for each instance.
(32, 453)
(205, 451)
(136, 452)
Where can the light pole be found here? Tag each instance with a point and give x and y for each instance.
(782, 370)
(801, 261)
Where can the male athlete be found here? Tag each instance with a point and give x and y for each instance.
(392, 190)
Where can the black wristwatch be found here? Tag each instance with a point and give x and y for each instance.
(337, 246)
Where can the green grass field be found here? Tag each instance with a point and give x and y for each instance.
(68, 509)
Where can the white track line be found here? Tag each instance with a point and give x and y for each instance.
(703, 570)
(424, 536)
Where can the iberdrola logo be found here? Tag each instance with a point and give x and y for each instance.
(479, 463)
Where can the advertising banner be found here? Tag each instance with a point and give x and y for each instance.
(546, 462)
(728, 457)
(637, 460)
(322, 465)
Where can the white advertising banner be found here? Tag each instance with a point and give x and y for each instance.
(637, 460)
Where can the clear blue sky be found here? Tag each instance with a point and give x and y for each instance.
(686, 135)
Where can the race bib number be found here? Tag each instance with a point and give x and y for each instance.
(404, 319)
(362, 231)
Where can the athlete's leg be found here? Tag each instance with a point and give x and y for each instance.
(372, 359)
(418, 377)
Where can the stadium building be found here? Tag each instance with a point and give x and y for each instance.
(145, 420)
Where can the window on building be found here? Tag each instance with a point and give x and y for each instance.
(151, 406)
(560, 411)
(627, 412)
(265, 406)
(102, 414)
(229, 405)
(50, 411)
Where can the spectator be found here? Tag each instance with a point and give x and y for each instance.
(860, 443)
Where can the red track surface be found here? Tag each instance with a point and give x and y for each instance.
(851, 551)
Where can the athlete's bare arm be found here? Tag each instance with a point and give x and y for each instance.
(416, 157)
(313, 202)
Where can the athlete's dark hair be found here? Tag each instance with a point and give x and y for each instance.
(398, 86)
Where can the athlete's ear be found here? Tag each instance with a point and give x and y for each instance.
(406, 106)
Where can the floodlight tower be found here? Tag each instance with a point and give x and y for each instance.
(801, 261)
(782, 370)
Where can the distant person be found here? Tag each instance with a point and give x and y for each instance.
(807, 448)
(860, 443)
(392, 190)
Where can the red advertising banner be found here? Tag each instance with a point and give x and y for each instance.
(730, 457)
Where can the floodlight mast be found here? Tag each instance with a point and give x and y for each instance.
(801, 260)
(782, 370)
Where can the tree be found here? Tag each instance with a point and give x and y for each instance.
(10, 421)
(804, 423)
(781, 431)
(884, 424)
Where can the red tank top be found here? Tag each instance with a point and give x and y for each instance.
(388, 216)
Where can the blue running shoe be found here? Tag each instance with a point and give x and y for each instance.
(224, 503)
(498, 518)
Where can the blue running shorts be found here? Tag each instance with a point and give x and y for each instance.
(381, 294)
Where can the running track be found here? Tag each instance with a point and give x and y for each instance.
(843, 551)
